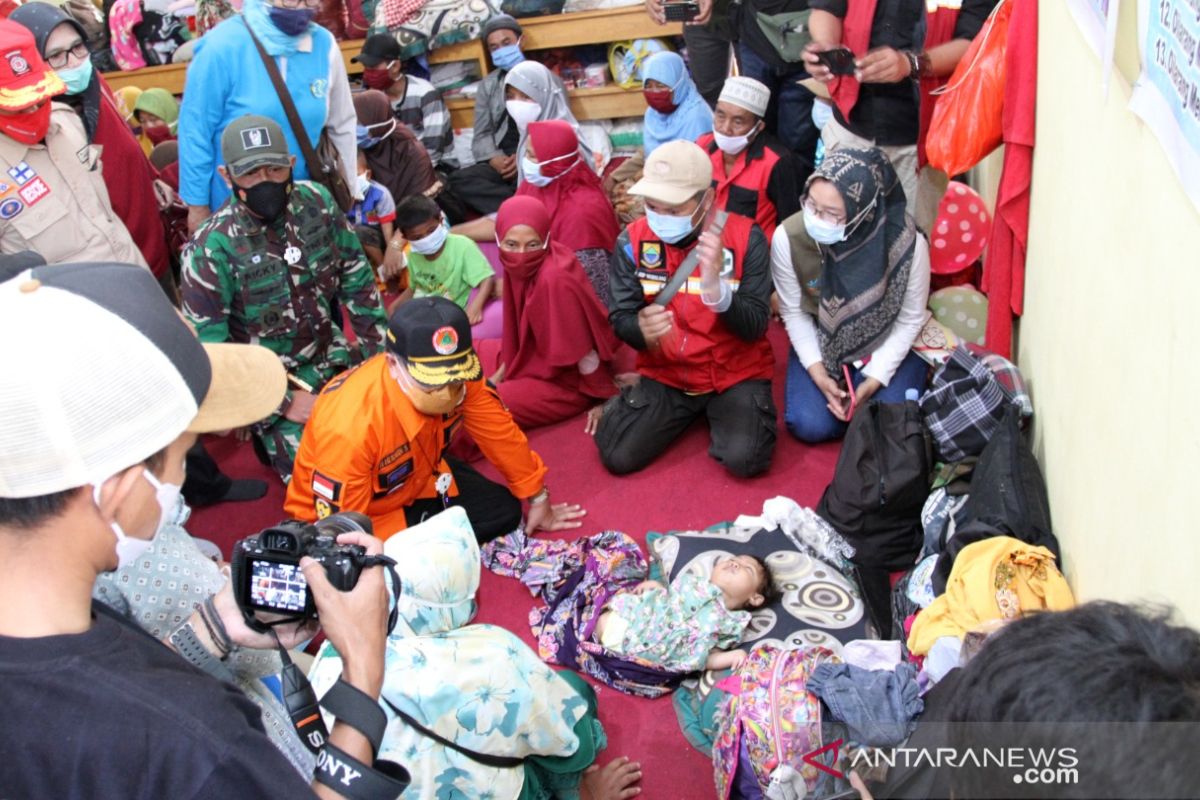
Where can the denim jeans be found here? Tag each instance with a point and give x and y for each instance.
(789, 115)
(804, 406)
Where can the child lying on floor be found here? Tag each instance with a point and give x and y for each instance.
(692, 626)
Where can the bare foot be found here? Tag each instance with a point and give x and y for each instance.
(615, 781)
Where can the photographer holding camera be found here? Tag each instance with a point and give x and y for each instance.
(99, 411)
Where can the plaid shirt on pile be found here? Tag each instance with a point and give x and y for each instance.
(1010, 379)
(963, 407)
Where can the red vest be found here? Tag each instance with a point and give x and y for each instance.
(744, 190)
(700, 354)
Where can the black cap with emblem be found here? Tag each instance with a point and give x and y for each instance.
(433, 336)
(252, 141)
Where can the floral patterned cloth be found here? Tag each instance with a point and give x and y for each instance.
(122, 17)
(479, 686)
(576, 580)
(676, 629)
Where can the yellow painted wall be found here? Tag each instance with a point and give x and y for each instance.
(1110, 340)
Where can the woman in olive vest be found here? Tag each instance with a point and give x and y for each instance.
(852, 274)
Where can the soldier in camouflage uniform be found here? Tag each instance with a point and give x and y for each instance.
(270, 267)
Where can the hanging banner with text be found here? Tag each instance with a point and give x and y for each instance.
(1167, 93)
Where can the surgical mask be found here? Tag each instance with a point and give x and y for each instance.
(508, 56)
(823, 232)
(377, 78)
(523, 112)
(129, 548)
(430, 244)
(267, 199)
(168, 496)
(291, 21)
(732, 145)
(533, 169)
(362, 184)
(366, 140)
(669, 227)
(76, 78)
(533, 173)
(434, 402)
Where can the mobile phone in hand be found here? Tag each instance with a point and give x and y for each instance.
(681, 10)
(839, 61)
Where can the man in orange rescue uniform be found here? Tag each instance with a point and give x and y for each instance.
(377, 434)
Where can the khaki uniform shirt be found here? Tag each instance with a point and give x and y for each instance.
(53, 200)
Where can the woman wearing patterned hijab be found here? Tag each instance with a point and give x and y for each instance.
(852, 274)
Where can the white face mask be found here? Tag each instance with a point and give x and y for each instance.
(533, 169)
(130, 548)
(732, 145)
(523, 112)
(823, 232)
(361, 185)
(433, 242)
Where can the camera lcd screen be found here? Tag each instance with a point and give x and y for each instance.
(277, 587)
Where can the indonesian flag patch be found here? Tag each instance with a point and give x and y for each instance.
(326, 487)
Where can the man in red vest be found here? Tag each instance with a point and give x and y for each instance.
(705, 351)
(903, 51)
(754, 174)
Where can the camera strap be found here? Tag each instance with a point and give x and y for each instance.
(479, 758)
(349, 777)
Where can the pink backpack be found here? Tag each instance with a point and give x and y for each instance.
(771, 711)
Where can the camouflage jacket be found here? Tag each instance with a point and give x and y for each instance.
(277, 285)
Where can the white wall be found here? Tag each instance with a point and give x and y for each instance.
(1110, 333)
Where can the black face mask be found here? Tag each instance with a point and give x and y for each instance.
(268, 199)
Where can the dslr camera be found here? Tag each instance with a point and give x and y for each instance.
(266, 570)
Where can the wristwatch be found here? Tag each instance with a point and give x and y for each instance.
(540, 497)
(914, 65)
(188, 644)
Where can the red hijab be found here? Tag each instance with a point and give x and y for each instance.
(580, 215)
(552, 318)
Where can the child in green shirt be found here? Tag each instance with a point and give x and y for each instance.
(443, 263)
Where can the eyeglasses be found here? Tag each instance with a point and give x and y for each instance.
(60, 59)
(832, 217)
(297, 3)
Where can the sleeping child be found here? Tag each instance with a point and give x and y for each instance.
(691, 626)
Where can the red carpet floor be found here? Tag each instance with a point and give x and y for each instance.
(683, 489)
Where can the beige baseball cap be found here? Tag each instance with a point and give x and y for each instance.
(674, 172)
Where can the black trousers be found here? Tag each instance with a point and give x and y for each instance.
(204, 483)
(481, 187)
(643, 420)
(491, 508)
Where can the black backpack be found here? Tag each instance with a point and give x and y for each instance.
(879, 486)
(1008, 498)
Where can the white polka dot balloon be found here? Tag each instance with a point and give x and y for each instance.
(961, 230)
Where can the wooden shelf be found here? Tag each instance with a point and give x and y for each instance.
(541, 33)
(605, 102)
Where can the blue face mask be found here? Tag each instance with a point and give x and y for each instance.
(291, 21)
(508, 56)
(364, 133)
(76, 78)
(669, 227)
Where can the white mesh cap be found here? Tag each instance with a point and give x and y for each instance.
(99, 374)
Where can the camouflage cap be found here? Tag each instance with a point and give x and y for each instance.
(253, 141)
